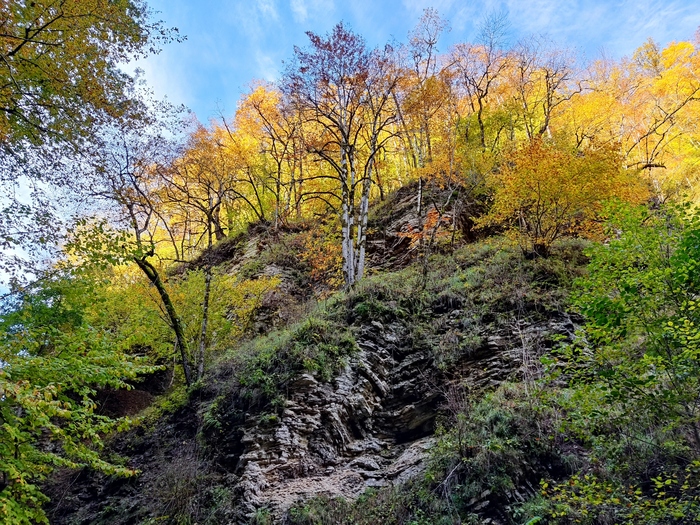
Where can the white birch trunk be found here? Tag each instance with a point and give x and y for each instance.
(362, 226)
(346, 222)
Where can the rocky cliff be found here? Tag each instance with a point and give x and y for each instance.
(342, 418)
(373, 424)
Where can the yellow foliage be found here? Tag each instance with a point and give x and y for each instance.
(544, 191)
(322, 252)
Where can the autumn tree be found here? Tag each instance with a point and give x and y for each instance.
(592, 115)
(648, 105)
(252, 181)
(195, 185)
(61, 80)
(425, 101)
(59, 68)
(191, 190)
(344, 90)
(422, 87)
(127, 185)
(662, 97)
(480, 66)
(545, 190)
(266, 115)
(545, 78)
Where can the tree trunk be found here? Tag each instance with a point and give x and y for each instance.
(155, 279)
(362, 225)
(278, 196)
(346, 221)
(216, 221)
(205, 321)
(482, 126)
(205, 308)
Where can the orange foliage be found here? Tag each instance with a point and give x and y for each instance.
(544, 191)
(432, 229)
(322, 252)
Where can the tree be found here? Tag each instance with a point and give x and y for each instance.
(129, 187)
(640, 299)
(662, 95)
(345, 90)
(59, 68)
(194, 186)
(61, 81)
(265, 114)
(480, 66)
(544, 79)
(423, 90)
(52, 363)
(545, 190)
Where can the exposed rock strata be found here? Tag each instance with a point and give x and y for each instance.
(372, 425)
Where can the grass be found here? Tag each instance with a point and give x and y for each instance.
(468, 294)
(485, 285)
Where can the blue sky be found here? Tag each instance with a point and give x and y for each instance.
(231, 43)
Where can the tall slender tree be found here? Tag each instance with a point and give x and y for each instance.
(344, 89)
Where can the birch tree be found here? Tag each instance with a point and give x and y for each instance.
(345, 90)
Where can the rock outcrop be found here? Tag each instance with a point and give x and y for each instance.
(372, 425)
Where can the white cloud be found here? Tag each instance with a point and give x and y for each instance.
(417, 6)
(660, 19)
(619, 27)
(317, 10)
(166, 76)
(267, 66)
(268, 8)
(299, 10)
(257, 21)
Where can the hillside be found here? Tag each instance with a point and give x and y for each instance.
(466, 379)
(449, 279)
(356, 392)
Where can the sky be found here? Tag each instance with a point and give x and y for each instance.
(230, 44)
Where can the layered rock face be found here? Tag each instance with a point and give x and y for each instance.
(371, 426)
(365, 428)
(222, 456)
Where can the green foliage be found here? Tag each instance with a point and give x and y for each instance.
(52, 363)
(495, 445)
(232, 306)
(411, 504)
(633, 376)
(319, 345)
(490, 277)
(262, 517)
(489, 447)
(315, 345)
(587, 499)
(640, 298)
(129, 309)
(164, 405)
